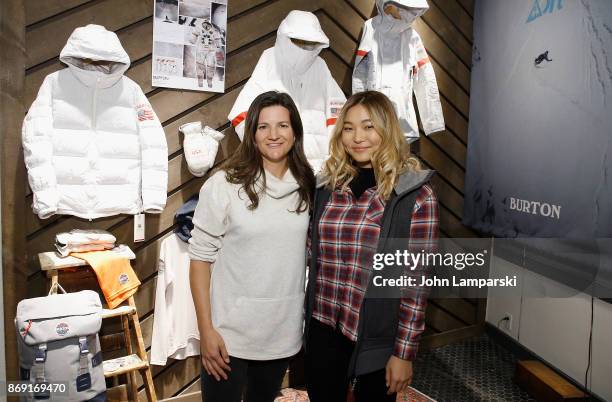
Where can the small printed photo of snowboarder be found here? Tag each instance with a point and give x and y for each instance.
(166, 10)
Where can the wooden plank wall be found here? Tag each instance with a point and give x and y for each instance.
(447, 33)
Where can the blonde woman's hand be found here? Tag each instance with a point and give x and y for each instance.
(398, 374)
(215, 358)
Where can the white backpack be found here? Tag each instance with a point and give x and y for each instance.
(57, 338)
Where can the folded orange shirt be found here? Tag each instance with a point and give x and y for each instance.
(116, 277)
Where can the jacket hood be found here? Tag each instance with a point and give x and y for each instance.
(184, 218)
(281, 188)
(410, 10)
(292, 58)
(412, 179)
(95, 56)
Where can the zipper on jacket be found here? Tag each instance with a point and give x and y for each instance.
(94, 120)
(94, 104)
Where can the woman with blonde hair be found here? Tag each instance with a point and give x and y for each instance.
(372, 197)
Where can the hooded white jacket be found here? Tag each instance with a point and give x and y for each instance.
(301, 73)
(391, 59)
(93, 145)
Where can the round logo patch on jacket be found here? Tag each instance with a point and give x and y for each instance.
(123, 279)
(62, 329)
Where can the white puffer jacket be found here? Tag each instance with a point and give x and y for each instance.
(93, 145)
(300, 72)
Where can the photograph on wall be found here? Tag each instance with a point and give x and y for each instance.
(189, 39)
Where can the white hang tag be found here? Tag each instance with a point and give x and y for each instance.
(139, 228)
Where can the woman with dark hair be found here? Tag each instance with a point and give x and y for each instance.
(373, 197)
(247, 268)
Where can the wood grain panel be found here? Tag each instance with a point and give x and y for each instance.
(366, 8)
(460, 308)
(12, 173)
(454, 120)
(345, 17)
(440, 319)
(46, 41)
(174, 378)
(458, 16)
(438, 49)
(441, 163)
(454, 148)
(468, 6)
(456, 335)
(436, 19)
(37, 10)
(448, 195)
(343, 43)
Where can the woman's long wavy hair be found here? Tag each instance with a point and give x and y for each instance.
(245, 166)
(392, 158)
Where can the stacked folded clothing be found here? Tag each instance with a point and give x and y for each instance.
(79, 240)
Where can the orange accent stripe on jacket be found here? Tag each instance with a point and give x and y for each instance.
(239, 119)
(361, 53)
(422, 62)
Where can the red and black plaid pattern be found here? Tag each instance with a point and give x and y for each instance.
(348, 236)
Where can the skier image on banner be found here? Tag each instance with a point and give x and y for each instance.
(294, 66)
(207, 40)
(392, 59)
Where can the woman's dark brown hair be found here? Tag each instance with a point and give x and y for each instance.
(245, 166)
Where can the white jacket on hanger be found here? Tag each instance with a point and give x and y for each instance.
(93, 145)
(175, 325)
(391, 59)
(300, 72)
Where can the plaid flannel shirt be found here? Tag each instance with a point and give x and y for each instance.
(348, 237)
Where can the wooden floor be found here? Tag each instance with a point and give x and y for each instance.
(446, 30)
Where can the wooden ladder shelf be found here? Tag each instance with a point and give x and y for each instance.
(136, 358)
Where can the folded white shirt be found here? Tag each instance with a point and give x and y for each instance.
(83, 240)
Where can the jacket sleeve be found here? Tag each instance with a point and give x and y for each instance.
(423, 236)
(360, 70)
(37, 133)
(153, 154)
(426, 91)
(250, 91)
(210, 219)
